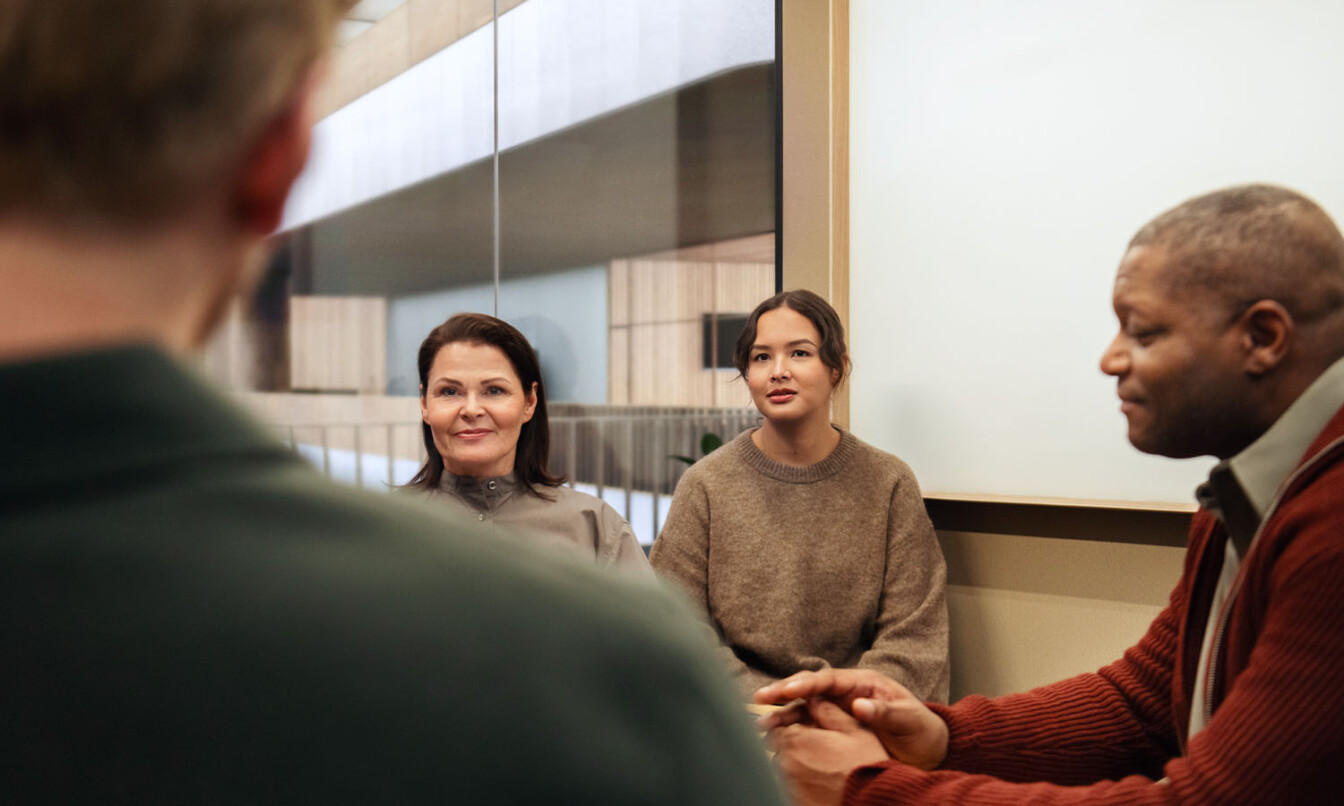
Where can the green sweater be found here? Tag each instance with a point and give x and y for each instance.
(833, 564)
(191, 614)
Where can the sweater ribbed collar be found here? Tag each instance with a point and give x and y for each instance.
(757, 460)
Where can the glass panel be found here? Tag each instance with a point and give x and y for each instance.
(387, 233)
(636, 200)
(637, 204)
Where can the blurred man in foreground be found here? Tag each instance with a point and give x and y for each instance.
(188, 613)
(1231, 311)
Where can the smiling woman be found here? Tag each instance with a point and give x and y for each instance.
(486, 435)
(803, 546)
(475, 407)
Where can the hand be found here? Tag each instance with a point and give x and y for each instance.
(817, 758)
(840, 685)
(909, 731)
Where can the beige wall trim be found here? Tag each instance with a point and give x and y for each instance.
(815, 141)
(1106, 525)
(1078, 503)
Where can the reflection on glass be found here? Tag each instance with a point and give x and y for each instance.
(636, 207)
(636, 198)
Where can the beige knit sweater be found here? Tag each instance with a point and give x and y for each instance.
(833, 564)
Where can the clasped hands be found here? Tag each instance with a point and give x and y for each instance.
(841, 719)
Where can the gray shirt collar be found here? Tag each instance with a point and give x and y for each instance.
(483, 495)
(1240, 489)
(1266, 463)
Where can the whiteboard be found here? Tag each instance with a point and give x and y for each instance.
(1002, 155)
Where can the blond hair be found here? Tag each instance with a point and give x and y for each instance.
(123, 111)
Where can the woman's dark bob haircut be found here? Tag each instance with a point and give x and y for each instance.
(534, 439)
(819, 312)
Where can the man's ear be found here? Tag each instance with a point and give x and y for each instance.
(276, 158)
(1267, 330)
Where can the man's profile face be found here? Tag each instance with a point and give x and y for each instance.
(1176, 363)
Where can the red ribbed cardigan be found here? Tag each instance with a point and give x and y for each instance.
(1277, 735)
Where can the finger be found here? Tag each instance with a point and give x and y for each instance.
(803, 685)
(864, 709)
(888, 717)
(827, 714)
(853, 685)
(788, 715)
(768, 694)
(796, 686)
(785, 739)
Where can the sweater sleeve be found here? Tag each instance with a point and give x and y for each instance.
(1276, 737)
(1065, 738)
(910, 641)
(681, 554)
(696, 746)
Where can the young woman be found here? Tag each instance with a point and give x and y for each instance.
(803, 546)
(483, 409)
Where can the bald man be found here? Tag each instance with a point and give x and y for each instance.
(1231, 313)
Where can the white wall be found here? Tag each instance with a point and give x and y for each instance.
(1002, 156)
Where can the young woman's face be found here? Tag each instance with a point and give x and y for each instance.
(785, 373)
(475, 407)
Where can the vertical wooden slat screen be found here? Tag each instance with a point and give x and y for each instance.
(338, 344)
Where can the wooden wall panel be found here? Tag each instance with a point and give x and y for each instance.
(618, 367)
(338, 344)
(740, 287)
(695, 295)
(618, 293)
(729, 391)
(641, 297)
(642, 343)
(228, 356)
(657, 305)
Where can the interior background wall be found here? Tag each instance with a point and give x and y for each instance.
(1037, 591)
(1003, 155)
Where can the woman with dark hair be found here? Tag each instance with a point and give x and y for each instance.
(803, 546)
(483, 407)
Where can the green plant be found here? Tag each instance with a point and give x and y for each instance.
(708, 443)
